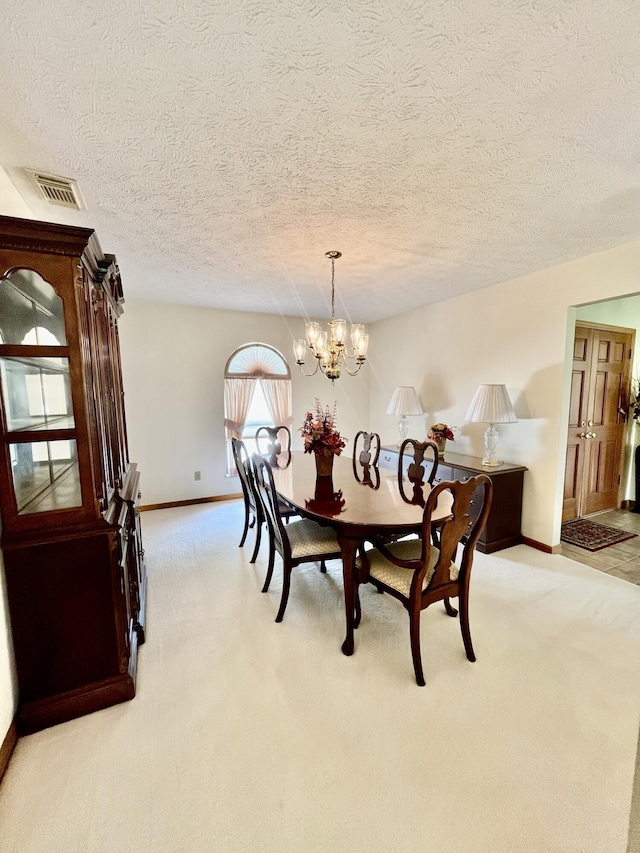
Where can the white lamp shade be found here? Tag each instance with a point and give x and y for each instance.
(491, 405)
(405, 402)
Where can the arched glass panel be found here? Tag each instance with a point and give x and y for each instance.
(259, 361)
(29, 306)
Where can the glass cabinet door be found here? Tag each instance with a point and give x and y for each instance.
(36, 393)
(31, 311)
(35, 386)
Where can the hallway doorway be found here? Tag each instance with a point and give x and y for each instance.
(598, 414)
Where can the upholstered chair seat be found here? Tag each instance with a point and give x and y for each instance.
(399, 578)
(307, 538)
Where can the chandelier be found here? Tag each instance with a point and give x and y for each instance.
(329, 348)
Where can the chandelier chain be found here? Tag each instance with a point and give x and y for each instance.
(333, 286)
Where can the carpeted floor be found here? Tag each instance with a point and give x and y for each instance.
(592, 535)
(252, 737)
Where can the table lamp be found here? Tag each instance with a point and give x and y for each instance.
(491, 405)
(404, 402)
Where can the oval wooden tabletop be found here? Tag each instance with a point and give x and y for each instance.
(352, 504)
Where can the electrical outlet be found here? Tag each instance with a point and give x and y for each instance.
(197, 475)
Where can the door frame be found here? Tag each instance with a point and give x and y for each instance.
(626, 457)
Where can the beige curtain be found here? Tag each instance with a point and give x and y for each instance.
(237, 399)
(277, 394)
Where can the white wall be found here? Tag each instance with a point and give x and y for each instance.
(514, 333)
(173, 360)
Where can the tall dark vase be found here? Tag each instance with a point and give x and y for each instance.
(324, 465)
(636, 507)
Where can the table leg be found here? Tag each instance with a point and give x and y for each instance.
(349, 548)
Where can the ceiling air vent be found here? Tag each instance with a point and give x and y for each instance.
(57, 190)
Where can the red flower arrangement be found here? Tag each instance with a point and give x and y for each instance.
(319, 432)
(440, 432)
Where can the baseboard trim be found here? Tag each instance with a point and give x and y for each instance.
(191, 502)
(42, 713)
(8, 745)
(540, 546)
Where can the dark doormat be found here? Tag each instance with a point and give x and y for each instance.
(592, 536)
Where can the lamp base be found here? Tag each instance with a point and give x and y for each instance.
(403, 429)
(491, 437)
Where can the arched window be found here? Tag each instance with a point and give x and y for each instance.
(253, 366)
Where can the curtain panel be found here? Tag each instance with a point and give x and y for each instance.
(237, 399)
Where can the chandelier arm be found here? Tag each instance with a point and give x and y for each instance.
(313, 373)
(353, 372)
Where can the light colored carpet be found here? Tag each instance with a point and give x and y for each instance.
(251, 736)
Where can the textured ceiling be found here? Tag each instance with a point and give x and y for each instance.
(223, 147)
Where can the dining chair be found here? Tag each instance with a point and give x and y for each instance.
(302, 541)
(417, 573)
(413, 452)
(252, 508)
(253, 514)
(272, 441)
(365, 458)
(370, 446)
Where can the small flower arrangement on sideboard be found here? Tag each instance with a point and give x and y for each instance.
(439, 433)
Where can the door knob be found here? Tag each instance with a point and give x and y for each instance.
(583, 435)
(589, 423)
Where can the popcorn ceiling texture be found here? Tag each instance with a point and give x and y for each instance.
(223, 147)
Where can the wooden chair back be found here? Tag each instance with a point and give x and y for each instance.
(471, 505)
(272, 441)
(415, 451)
(268, 497)
(370, 450)
(245, 472)
(366, 452)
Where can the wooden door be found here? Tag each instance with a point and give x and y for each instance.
(599, 390)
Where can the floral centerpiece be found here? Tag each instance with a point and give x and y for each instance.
(319, 432)
(322, 438)
(440, 433)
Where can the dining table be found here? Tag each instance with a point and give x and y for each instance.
(360, 504)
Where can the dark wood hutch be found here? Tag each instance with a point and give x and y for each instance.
(71, 542)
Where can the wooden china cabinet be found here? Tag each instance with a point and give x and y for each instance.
(70, 542)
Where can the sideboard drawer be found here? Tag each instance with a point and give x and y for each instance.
(444, 472)
(388, 459)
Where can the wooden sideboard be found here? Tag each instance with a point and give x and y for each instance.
(503, 525)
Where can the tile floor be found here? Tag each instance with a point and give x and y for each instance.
(621, 560)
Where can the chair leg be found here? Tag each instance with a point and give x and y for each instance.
(358, 613)
(451, 611)
(286, 583)
(256, 547)
(323, 567)
(272, 557)
(414, 630)
(464, 625)
(246, 526)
